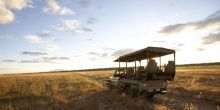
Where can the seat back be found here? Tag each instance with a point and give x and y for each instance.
(130, 72)
(138, 72)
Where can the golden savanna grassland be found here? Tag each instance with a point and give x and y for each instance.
(192, 89)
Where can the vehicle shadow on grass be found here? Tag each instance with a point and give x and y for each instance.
(111, 100)
(178, 98)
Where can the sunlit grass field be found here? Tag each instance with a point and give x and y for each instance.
(192, 89)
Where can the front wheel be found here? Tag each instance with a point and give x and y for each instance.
(109, 85)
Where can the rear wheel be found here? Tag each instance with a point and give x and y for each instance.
(149, 95)
(130, 92)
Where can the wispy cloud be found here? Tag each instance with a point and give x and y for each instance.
(212, 20)
(50, 58)
(6, 7)
(38, 37)
(43, 34)
(46, 60)
(33, 38)
(9, 61)
(50, 48)
(107, 49)
(91, 20)
(159, 41)
(93, 53)
(85, 4)
(64, 58)
(55, 58)
(200, 49)
(71, 25)
(30, 61)
(97, 56)
(118, 53)
(66, 11)
(31, 53)
(211, 38)
(54, 7)
(89, 39)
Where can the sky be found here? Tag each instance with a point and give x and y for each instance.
(48, 35)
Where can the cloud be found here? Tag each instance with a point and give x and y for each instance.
(91, 20)
(35, 61)
(9, 61)
(33, 38)
(96, 56)
(50, 48)
(31, 53)
(37, 38)
(54, 7)
(200, 49)
(180, 45)
(43, 34)
(64, 58)
(30, 61)
(55, 58)
(211, 38)
(118, 53)
(104, 55)
(46, 60)
(89, 39)
(71, 25)
(107, 49)
(6, 15)
(212, 20)
(85, 4)
(66, 11)
(160, 41)
(93, 53)
(50, 58)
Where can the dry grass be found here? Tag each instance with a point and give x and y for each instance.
(191, 90)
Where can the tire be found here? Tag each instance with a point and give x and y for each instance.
(149, 95)
(109, 85)
(130, 92)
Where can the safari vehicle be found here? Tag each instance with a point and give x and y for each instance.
(149, 80)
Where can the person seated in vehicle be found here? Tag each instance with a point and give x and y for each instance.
(152, 68)
(170, 67)
(130, 72)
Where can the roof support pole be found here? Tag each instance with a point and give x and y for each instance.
(160, 62)
(140, 62)
(126, 68)
(119, 65)
(174, 59)
(147, 58)
(135, 68)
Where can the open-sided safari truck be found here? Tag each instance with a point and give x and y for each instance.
(148, 80)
